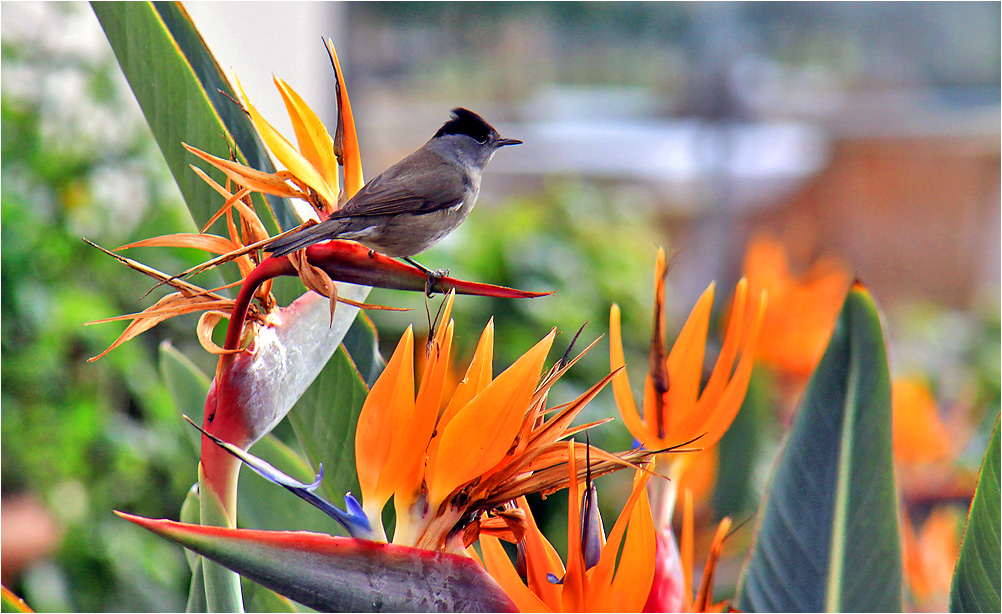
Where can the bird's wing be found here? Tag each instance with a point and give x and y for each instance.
(430, 184)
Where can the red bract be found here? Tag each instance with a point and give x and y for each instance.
(667, 590)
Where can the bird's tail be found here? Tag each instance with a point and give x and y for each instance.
(303, 238)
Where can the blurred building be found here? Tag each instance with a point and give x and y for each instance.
(871, 130)
(868, 130)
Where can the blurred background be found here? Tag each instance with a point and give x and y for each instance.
(803, 145)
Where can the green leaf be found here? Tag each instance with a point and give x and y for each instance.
(177, 80)
(975, 585)
(196, 591)
(222, 585)
(261, 599)
(828, 538)
(324, 420)
(740, 446)
(362, 345)
(187, 386)
(338, 574)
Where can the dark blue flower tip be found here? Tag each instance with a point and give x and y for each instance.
(592, 530)
(352, 505)
(355, 512)
(319, 478)
(553, 579)
(353, 521)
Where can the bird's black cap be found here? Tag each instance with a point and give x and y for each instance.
(469, 123)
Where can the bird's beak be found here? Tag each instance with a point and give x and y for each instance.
(503, 142)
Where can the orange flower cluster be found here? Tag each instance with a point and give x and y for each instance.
(494, 441)
(676, 408)
(802, 309)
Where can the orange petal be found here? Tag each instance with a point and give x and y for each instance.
(919, 434)
(230, 202)
(540, 558)
(498, 564)
(720, 416)
(302, 210)
(352, 160)
(635, 574)
(286, 154)
(620, 383)
(422, 424)
(206, 324)
(685, 366)
(482, 431)
(314, 141)
(636, 563)
(734, 339)
(575, 585)
(446, 315)
(704, 597)
(478, 375)
(172, 305)
(388, 405)
(694, 423)
(696, 471)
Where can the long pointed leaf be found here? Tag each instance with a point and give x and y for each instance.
(828, 538)
(177, 80)
(334, 574)
(976, 578)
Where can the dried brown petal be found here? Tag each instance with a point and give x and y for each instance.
(206, 324)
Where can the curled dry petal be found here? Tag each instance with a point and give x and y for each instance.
(206, 324)
(269, 183)
(168, 307)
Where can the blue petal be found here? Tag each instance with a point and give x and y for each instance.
(353, 521)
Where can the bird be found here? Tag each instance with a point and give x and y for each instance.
(416, 202)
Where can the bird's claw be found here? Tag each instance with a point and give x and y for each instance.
(433, 278)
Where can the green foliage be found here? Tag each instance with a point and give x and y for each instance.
(161, 40)
(85, 437)
(828, 536)
(975, 585)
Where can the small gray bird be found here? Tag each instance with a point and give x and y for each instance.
(417, 201)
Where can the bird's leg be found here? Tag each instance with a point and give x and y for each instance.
(433, 276)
